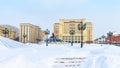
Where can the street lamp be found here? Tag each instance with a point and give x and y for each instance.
(5, 31)
(72, 32)
(47, 32)
(103, 37)
(24, 36)
(100, 42)
(81, 27)
(110, 36)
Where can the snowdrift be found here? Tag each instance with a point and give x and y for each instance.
(6, 42)
(17, 55)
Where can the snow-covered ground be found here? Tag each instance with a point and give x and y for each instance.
(17, 55)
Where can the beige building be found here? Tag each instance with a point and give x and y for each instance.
(56, 30)
(7, 31)
(30, 33)
(62, 29)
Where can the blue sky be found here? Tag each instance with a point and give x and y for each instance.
(105, 14)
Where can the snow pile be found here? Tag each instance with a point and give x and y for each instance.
(6, 42)
(15, 55)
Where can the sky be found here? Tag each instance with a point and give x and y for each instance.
(104, 14)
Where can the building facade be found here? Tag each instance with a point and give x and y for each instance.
(30, 33)
(8, 31)
(62, 29)
(113, 39)
(56, 30)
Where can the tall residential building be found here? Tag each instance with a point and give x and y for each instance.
(56, 30)
(8, 31)
(30, 33)
(62, 29)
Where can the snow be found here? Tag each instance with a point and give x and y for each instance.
(18, 55)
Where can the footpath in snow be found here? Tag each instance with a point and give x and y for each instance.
(18, 55)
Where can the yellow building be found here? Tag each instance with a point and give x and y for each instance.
(42, 35)
(62, 29)
(30, 33)
(56, 30)
(7, 31)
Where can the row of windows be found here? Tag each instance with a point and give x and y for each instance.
(73, 41)
(69, 38)
(76, 39)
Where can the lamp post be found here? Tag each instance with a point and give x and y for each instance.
(72, 32)
(47, 32)
(100, 40)
(81, 27)
(109, 34)
(103, 37)
(24, 36)
(5, 31)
